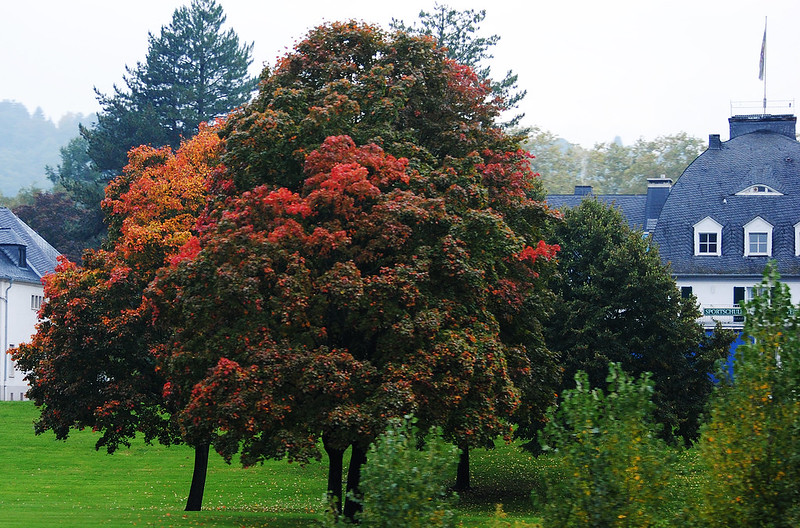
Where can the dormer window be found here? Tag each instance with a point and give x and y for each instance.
(708, 237)
(759, 190)
(758, 238)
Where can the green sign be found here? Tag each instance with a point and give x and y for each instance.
(729, 311)
(722, 311)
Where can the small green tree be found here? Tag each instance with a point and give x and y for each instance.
(405, 484)
(749, 444)
(612, 468)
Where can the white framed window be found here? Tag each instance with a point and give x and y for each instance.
(707, 237)
(709, 243)
(758, 238)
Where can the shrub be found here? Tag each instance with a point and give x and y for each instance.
(404, 481)
(749, 445)
(612, 468)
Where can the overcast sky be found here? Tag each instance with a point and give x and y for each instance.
(593, 70)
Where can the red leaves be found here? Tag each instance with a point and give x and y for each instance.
(187, 252)
(542, 250)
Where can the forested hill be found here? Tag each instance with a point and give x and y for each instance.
(28, 142)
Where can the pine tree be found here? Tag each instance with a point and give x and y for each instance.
(194, 71)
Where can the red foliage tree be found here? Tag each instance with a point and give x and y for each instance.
(90, 362)
(374, 250)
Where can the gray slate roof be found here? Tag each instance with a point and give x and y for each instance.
(40, 256)
(630, 205)
(708, 187)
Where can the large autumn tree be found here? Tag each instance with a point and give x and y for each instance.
(90, 362)
(374, 249)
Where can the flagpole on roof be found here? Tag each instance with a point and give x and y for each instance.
(762, 65)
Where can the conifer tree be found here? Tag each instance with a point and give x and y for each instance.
(194, 71)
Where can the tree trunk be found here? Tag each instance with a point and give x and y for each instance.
(335, 464)
(462, 473)
(357, 459)
(195, 500)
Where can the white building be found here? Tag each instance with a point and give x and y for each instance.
(734, 208)
(25, 258)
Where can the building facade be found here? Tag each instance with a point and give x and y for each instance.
(25, 257)
(736, 207)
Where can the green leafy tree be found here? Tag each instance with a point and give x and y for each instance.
(611, 468)
(77, 175)
(613, 168)
(374, 248)
(194, 72)
(69, 216)
(749, 443)
(616, 302)
(458, 32)
(560, 164)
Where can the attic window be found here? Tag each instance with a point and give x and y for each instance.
(707, 237)
(759, 190)
(758, 238)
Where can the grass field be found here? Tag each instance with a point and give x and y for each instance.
(48, 483)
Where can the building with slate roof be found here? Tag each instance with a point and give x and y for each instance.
(734, 208)
(25, 257)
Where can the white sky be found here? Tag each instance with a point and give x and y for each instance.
(593, 70)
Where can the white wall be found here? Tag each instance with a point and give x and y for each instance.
(717, 292)
(21, 325)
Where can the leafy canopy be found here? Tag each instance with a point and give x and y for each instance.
(374, 248)
(616, 302)
(458, 33)
(90, 364)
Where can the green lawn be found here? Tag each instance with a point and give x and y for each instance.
(47, 483)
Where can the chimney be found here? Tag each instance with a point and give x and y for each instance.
(714, 142)
(583, 190)
(658, 190)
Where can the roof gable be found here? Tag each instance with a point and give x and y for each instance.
(40, 257)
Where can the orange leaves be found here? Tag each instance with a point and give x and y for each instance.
(154, 205)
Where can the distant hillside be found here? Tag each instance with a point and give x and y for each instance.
(28, 142)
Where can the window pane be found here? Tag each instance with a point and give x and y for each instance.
(758, 243)
(708, 243)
